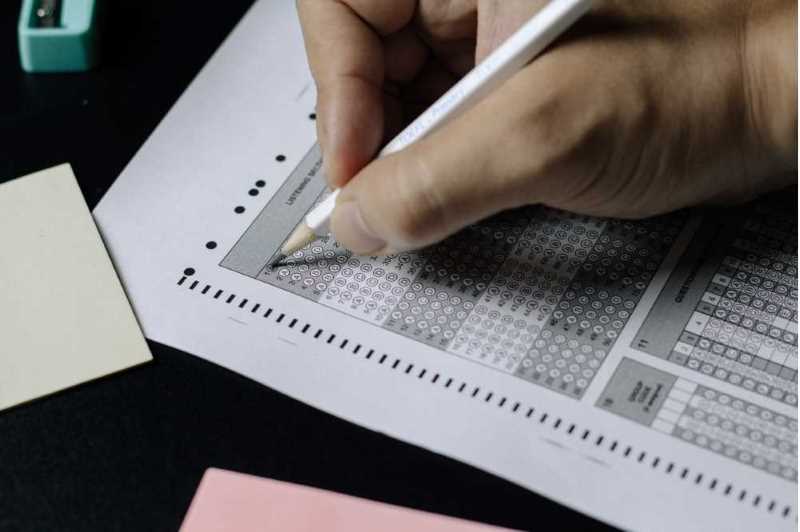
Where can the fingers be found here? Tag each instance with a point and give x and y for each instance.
(536, 139)
(384, 17)
(431, 189)
(346, 56)
(404, 54)
(347, 64)
(449, 30)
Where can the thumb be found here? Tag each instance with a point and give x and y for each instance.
(428, 191)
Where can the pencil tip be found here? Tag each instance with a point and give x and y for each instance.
(277, 259)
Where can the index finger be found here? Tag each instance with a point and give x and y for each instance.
(347, 61)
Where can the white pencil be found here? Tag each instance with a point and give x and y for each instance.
(516, 52)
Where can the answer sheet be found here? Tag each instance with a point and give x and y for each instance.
(643, 372)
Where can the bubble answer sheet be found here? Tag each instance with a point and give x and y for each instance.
(642, 372)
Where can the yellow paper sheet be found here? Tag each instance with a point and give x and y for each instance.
(64, 318)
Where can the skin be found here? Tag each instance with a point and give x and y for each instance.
(642, 108)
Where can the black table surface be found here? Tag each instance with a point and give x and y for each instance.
(127, 452)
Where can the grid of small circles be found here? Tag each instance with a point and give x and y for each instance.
(509, 315)
(731, 365)
(309, 271)
(762, 278)
(561, 241)
(535, 292)
(449, 283)
(495, 338)
(429, 315)
(371, 290)
(753, 302)
(598, 303)
(741, 430)
(754, 290)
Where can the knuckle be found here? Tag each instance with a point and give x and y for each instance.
(571, 136)
(386, 18)
(446, 19)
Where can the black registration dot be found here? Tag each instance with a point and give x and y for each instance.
(312, 116)
(211, 244)
(253, 192)
(239, 209)
(260, 183)
(280, 158)
(188, 271)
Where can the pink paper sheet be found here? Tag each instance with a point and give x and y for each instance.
(233, 501)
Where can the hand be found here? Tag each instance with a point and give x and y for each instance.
(643, 108)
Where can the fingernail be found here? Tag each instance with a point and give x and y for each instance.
(351, 231)
(326, 167)
(331, 173)
(330, 152)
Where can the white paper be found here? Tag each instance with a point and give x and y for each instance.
(626, 438)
